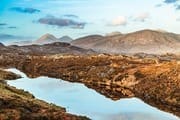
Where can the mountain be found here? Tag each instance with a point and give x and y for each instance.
(87, 42)
(144, 41)
(114, 33)
(22, 43)
(65, 39)
(161, 30)
(45, 39)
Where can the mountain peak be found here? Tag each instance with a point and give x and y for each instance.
(145, 31)
(47, 35)
(46, 38)
(151, 31)
(161, 30)
(114, 33)
(65, 38)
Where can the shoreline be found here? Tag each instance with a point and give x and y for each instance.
(154, 81)
(19, 104)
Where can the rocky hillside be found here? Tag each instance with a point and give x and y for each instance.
(5, 75)
(88, 42)
(154, 81)
(52, 48)
(145, 41)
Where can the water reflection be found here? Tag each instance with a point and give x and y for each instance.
(78, 99)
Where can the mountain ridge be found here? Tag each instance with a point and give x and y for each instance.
(147, 41)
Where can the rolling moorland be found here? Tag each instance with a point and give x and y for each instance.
(143, 64)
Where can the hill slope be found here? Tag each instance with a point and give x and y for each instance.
(46, 49)
(147, 41)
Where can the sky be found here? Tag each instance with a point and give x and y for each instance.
(29, 19)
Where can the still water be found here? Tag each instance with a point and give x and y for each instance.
(78, 99)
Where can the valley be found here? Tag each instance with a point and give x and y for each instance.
(153, 78)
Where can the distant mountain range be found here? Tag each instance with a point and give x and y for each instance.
(144, 41)
(49, 38)
(45, 39)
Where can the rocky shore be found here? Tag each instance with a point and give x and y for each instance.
(18, 104)
(5, 75)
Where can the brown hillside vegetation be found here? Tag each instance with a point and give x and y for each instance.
(155, 82)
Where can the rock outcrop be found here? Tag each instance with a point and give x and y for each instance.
(5, 75)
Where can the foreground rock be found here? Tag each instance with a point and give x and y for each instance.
(146, 76)
(4, 75)
(155, 81)
(20, 105)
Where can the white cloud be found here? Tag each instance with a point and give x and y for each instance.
(142, 17)
(120, 20)
(178, 19)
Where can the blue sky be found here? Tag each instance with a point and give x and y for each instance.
(29, 19)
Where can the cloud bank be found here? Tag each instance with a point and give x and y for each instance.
(170, 1)
(25, 10)
(175, 2)
(3, 24)
(62, 22)
(71, 16)
(12, 27)
(177, 7)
